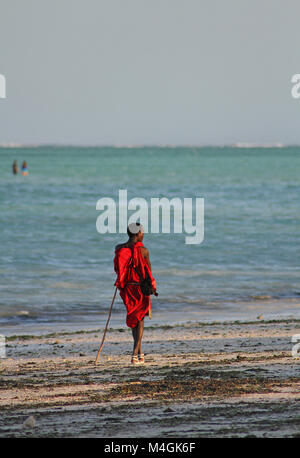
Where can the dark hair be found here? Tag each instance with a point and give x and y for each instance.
(132, 234)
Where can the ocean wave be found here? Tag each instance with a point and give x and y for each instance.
(69, 285)
(192, 273)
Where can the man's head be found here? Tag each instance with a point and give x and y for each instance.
(135, 231)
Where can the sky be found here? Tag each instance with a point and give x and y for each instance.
(129, 72)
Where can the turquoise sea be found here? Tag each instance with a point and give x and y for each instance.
(56, 268)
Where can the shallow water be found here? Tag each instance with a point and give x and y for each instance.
(56, 267)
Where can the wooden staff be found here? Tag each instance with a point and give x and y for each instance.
(109, 315)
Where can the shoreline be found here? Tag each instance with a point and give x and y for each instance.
(266, 309)
(215, 379)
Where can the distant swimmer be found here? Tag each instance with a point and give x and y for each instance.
(24, 169)
(15, 168)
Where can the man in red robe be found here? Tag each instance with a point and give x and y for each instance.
(132, 263)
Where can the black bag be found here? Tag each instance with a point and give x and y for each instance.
(145, 283)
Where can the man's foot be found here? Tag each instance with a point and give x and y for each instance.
(141, 358)
(134, 360)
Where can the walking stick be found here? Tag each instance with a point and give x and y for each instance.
(109, 315)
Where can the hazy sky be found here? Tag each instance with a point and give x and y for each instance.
(149, 71)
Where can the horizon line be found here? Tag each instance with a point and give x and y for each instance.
(149, 145)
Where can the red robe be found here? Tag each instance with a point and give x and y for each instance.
(137, 305)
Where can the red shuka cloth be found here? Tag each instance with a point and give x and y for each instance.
(136, 304)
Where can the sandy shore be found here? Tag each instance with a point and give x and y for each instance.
(235, 379)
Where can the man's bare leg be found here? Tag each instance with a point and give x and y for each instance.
(137, 333)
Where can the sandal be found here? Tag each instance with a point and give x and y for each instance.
(141, 358)
(134, 360)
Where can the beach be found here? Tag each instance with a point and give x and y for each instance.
(218, 349)
(200, 379)
(150, 152)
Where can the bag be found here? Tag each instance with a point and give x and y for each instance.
(145, 283)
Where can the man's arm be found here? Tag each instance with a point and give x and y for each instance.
(145, 254)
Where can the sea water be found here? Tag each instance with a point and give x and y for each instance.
(56, 268)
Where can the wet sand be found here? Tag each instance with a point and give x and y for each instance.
(235, 379)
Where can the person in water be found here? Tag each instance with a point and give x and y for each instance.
(132, 262)
(24, 169)
(15, 168)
